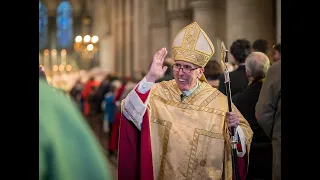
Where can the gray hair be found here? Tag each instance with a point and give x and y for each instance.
(257, 65)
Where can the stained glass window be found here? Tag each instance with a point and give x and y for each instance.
(64, 25)
(43, 25)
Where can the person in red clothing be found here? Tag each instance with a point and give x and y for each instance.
(130, 84)
(85, 94)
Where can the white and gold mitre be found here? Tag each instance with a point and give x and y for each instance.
(192, 45)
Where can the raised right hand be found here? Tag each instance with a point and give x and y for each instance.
(157, 69)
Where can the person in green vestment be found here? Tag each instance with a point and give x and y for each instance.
(67, 147)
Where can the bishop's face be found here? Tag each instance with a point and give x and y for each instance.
(186, 74)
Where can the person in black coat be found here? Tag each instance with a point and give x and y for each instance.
(239, 49)
(268, 114)
(260, 156)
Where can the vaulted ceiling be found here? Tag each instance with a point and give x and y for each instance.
(76, 6)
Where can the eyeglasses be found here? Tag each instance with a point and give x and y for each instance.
(184, 68)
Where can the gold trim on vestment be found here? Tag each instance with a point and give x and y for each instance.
(174, 93)
(166, 90)
(189, 106)
(167, 125)
(197, 133)
(210, 98)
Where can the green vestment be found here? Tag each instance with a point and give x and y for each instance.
(68, 149)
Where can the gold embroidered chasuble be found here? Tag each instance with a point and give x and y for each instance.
(189, 137)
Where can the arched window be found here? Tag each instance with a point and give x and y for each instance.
(64, 25)
(43, 25)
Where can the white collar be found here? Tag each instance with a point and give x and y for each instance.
(187, 93)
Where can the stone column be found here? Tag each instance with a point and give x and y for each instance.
(118, 30)
(179, 17)
(210, 15)
(141, 18)
(102, 28)
(107, 54)
(158, 29)
(250, 19)
(128, 37)
(278, 40)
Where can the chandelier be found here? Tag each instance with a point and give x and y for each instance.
(86, 46)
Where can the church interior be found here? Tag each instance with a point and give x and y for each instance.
(81, 39)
